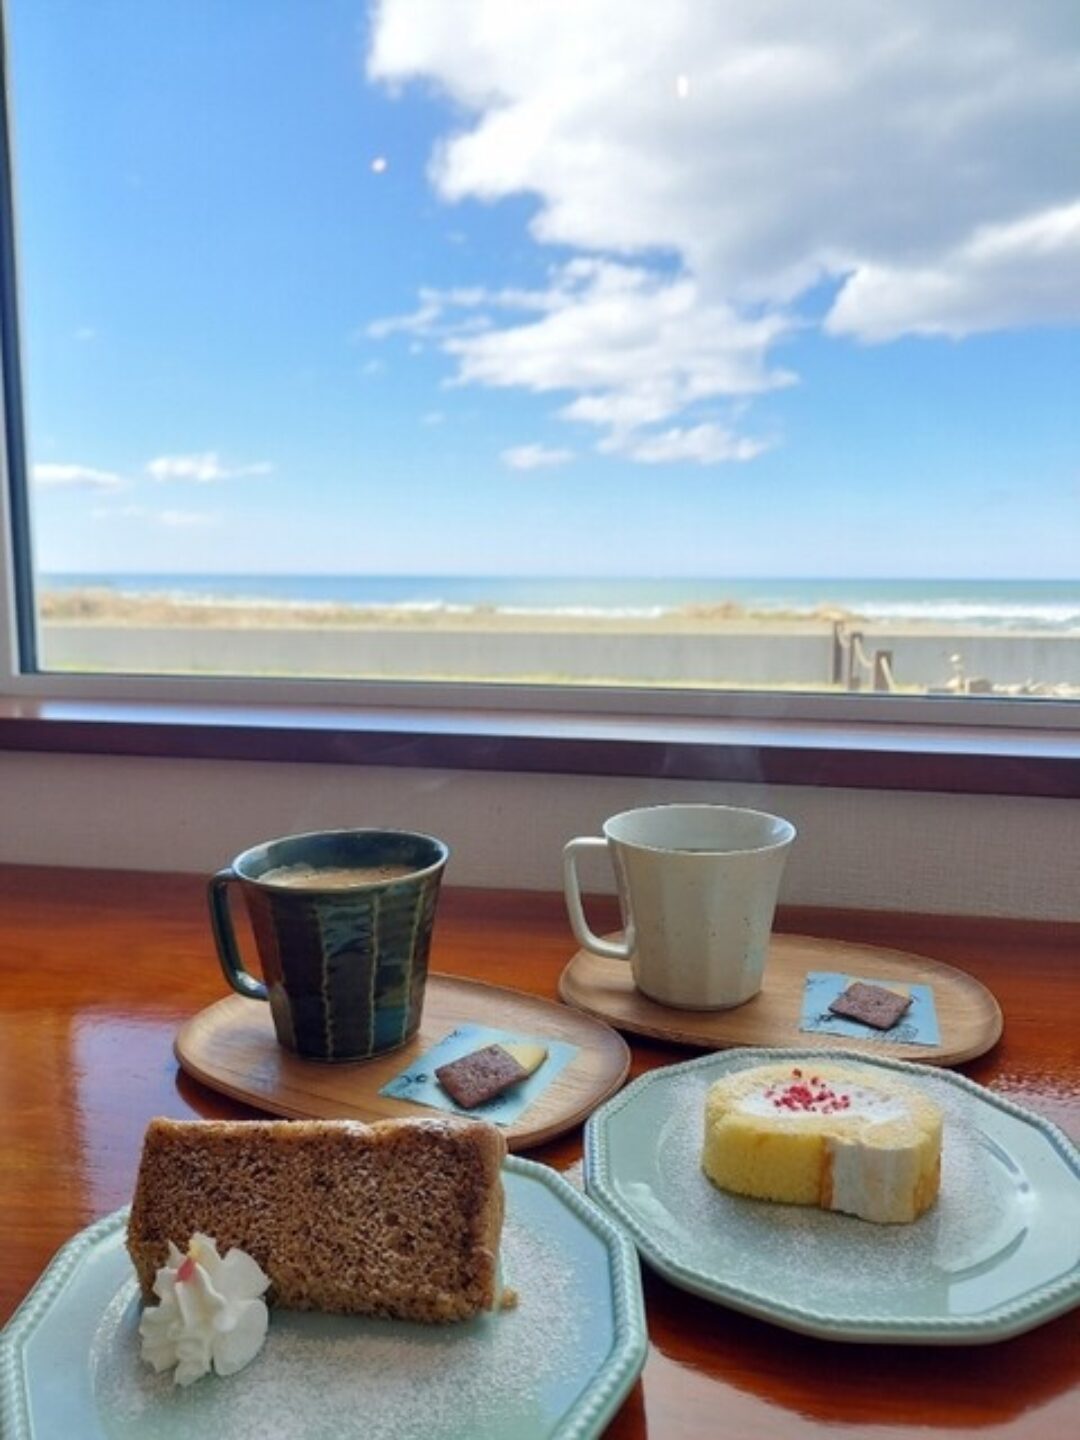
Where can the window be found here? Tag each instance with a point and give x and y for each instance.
(699, 350)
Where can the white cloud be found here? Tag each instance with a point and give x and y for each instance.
(727, 159)
(171, 519)
(704, 444)
(201, 469)
(428, 318)
(185, 519)
(617, 330)
(633, 347)
(421, 320)
(118, 512)
(988, 283)
(535, 457)
(74, 477)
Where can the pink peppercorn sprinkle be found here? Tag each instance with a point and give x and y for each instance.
(816, 1096)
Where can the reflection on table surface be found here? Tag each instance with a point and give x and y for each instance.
(100, 969)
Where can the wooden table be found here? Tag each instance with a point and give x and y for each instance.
(98, 969)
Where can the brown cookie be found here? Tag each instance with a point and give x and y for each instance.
(472, 1079)
(871, 1005)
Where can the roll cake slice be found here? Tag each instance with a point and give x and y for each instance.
(853, 1140)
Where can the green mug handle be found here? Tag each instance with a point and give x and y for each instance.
(232, 967)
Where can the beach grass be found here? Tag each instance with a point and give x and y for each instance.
(93, 606)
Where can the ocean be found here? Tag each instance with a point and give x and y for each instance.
(1049, 605)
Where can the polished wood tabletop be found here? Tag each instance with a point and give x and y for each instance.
(98, 970)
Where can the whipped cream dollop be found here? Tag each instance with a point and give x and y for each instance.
(210, 1312)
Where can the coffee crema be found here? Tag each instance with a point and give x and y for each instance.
(303, 876)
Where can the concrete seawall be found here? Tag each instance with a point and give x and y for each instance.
(749, 655)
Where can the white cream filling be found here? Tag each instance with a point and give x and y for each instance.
(873, 1106)
(870, 1181)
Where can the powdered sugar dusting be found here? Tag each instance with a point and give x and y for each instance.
(324, 1377)
(823, 1258)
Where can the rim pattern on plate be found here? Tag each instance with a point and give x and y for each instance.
(585, 1419)
(1002, 1321)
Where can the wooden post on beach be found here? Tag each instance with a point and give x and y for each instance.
(837, 675)
(854, 678)
(882, 670)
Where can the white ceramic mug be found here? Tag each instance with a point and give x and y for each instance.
(697, 886)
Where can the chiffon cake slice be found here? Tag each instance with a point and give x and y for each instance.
(401, 1218)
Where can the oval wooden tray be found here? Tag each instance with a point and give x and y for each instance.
(969, 1018)
(231, 1047)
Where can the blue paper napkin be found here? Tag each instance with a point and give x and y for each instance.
(917, 1026)
(418, 1085)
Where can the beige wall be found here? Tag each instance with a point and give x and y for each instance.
(862, 849)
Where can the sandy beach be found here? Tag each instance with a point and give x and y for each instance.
(109, 607)
(717, 646)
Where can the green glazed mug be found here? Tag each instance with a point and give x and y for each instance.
(342, 921)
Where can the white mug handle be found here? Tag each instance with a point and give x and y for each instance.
(580, 926)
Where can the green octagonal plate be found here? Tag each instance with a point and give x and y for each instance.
(555, 1368)
(998, 1253)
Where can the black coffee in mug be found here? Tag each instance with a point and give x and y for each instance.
(342, 922)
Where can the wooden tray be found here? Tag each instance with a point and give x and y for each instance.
(231, 1047)
(969, 1018)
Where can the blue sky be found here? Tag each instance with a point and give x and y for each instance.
(308, 287)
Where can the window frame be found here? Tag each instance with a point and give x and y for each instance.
(421, 703)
